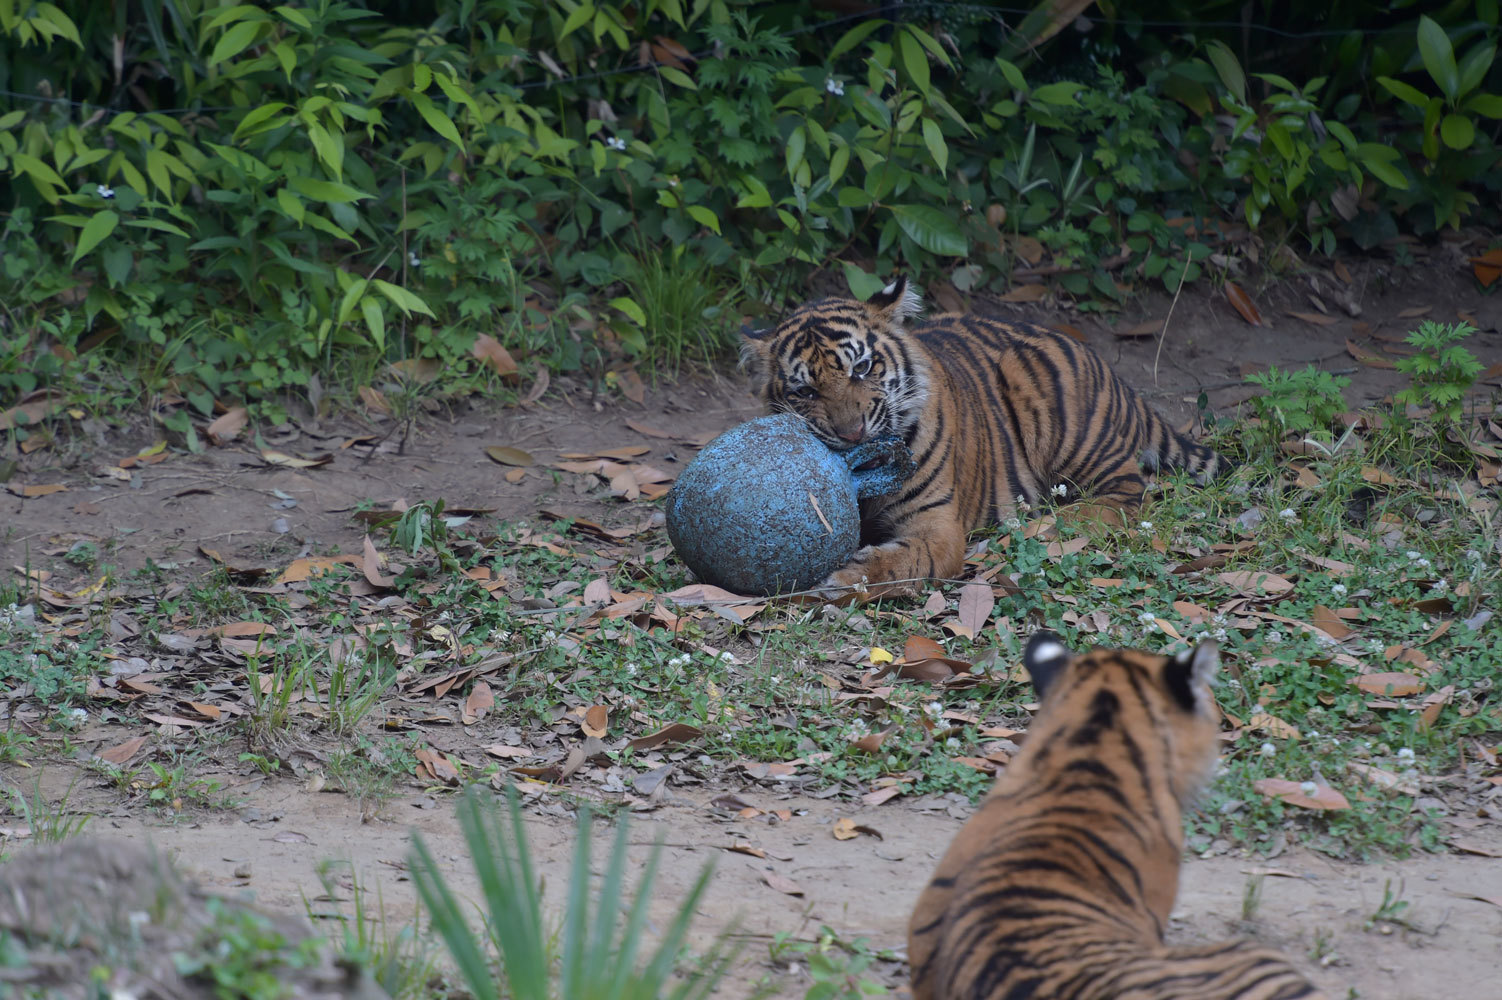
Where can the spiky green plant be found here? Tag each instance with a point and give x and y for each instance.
(600, 959)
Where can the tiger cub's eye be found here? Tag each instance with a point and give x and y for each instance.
(862, 368)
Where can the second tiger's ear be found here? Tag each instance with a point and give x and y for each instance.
(1045, 657)
(897, 301)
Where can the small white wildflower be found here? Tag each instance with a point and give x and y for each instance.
(1232, 682)
(727, 657)
(1406, 753)
(680, 661)
(1313, 735)
(1412, 554)
(1022, 503)
(1219, 635)
(1274, 637)
(413, 260)
(1308, 788)
(1012, 524)
(1147, 617)
(835, 87)
(1440, 586)
(1421, 563)
(77, 716)
(1268, 750)
(1060, 490)
(1220, 620)
(776, 679)
(1288, 514)
(105, 192)
(1473, 555)
(631, 669)
(952, 743)
(934, 710)
(616, 143)
(1338, 589)
(1145, 525)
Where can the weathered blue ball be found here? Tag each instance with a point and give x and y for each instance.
(742, 515)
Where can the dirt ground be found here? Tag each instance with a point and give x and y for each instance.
(229, 501)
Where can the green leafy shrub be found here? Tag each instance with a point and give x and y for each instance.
(1442, 371)
(232, 198)
(1299, 402)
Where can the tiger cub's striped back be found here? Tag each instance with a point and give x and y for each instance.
(1060, 885)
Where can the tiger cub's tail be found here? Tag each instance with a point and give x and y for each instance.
(1168, 449)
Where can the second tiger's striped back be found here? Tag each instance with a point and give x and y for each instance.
(1060, 885)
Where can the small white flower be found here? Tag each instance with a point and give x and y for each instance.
(1440, 586)
(1147, 617)
(1338, 589)
(631, 669)
(952, 743)
(1022, 504)
(1060, 490)
(1308, 788)
(1274, 637)
(105, 192)
(1313, 735)
(1145, 525)
(1012, 524)
(672, 182)
(413, 259)
(1288, 514)
(1405, 753)
(77, 716)
(680, 661)
(834, 87)
(727, 657)
(776, 679)
(934, 710)
(616, 143)
(1268, 750)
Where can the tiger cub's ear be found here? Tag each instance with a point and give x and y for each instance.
(1191, 672)
(751, 333)
(897, 301)
(1045, 657)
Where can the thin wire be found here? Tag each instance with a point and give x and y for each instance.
(889, 8)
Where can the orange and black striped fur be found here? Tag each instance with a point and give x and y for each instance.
(994, 413)
(1060, 885)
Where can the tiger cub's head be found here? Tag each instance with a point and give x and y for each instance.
(848, 368)
(1158, 709)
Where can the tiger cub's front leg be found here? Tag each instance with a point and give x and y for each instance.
(931, 544)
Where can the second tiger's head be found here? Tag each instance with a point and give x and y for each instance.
(848, 368)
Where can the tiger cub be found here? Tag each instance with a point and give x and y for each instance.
(1061, 883)
(996, 414)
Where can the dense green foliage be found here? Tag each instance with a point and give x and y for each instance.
(239, 196)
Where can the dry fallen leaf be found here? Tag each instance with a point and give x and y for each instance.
(1026, 293)
(506, 455)
(1253, 583)
(596, 721)
(678, 732)
(976, 602)
(1306, 794)
(478, 704)
(124, 752)
(227, 425)
(36, 489)
(371, 564)
(844, 829)
(1275, 727)
(1243, 304)
(781, 884)
(302, 569)
(490, 351)
(1397, 685)
(1367, 357)
(273, 457)
(1328, 621)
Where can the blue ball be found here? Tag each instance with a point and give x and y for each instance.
(742, 515)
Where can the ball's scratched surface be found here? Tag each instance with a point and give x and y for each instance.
(767, 508)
